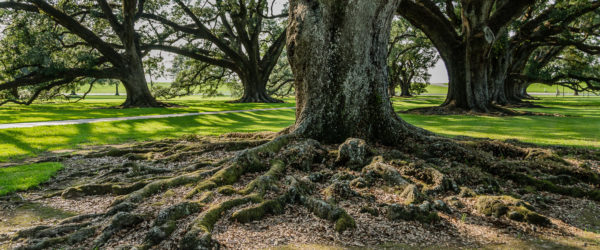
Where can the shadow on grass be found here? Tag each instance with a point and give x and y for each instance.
(24, 142)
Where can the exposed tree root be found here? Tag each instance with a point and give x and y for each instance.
(166, 222)
(198, 236)
(266, 178)
(163, 185)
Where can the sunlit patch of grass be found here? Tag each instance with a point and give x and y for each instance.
(24, 177)
(97, 107)
(579, 125)
(25, 142)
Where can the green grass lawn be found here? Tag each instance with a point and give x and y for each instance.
(533, 88)
(580, 127)
(96, 107)
(543, 88)
(19, 178)
(110, 88)
(436, 90)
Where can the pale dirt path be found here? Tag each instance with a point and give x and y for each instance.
(128, 118)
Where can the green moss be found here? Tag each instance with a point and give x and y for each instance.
(530, 216)
(494, 205)
(344, 222)
(369, 210)
(515, 209)
(466, 192)
(206, 197)
(545, 185)
(259, 211)
(277, 169)
(208, 218)
(226, 190)
(169, 193)
(160, 185)
(411, 213)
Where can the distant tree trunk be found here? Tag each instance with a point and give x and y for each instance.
(405, 89)
(575, 92)
(338, 52)
(464, 41)
(467, 86)
(255, 88)
(138, 93)
(117, 89)
(134, 77)
(522, 88)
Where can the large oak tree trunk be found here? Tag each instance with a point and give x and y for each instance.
(337, 51)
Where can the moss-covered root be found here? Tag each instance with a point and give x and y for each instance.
(330, 212)
(250, 160)
(546, 185)
(265, 181)
(47, 231)
(164, 184)
(166, 222)
(120, 221)
(199, 233)
(514, 209)
(269, 207)
(69, 239)
(102, 189)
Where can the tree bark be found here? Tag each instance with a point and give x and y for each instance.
(338, 53)
(498, 73)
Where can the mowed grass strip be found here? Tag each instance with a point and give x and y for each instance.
(19, 178)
